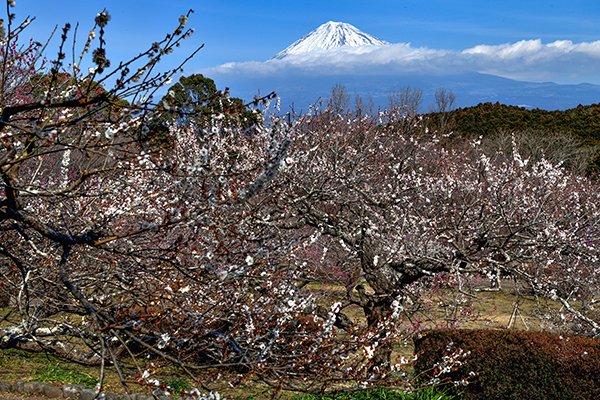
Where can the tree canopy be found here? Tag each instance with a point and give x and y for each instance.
(195, 98)
(213, 256)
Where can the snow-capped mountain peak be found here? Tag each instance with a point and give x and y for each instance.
(331, 35)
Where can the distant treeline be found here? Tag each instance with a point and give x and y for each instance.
(551, 130)
(490, 118)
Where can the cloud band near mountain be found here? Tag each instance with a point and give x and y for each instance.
(560, 61)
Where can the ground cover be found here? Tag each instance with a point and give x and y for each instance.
(490, 310)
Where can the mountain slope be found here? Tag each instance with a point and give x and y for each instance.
(300, 89)
(330, 35)
(304, 73)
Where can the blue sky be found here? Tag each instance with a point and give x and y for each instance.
(237, 31)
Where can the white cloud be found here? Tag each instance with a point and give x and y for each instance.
(535, 48)
(561, 61)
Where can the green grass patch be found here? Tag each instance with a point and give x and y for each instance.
(383, 394)
(56, 374)
(178, 385)
(20, 365)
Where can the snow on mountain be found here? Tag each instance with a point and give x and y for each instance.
(339, 53)
(331, 35)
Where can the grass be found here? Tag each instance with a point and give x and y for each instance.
(56, 374)
(491, 309)
(383, 394)
(178, 385)
(19, 365)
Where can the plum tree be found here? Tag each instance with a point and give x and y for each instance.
(407, 208)
(202, 255)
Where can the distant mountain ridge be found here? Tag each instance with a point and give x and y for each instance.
(304, 73)
(298, 90)
(331, 35)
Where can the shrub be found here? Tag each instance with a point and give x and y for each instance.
(510, 365)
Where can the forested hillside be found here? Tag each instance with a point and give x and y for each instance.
(580, 126)
(488, 118)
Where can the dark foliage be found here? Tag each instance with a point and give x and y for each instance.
(488, 118)
(196, 98)
(513, 365)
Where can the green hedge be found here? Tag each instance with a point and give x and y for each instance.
(500, 364)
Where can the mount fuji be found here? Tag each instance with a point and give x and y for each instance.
(331, 35)
(339, 53)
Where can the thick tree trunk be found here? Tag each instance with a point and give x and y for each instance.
(376, 310)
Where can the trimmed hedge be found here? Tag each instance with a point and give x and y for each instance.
(501, 364)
